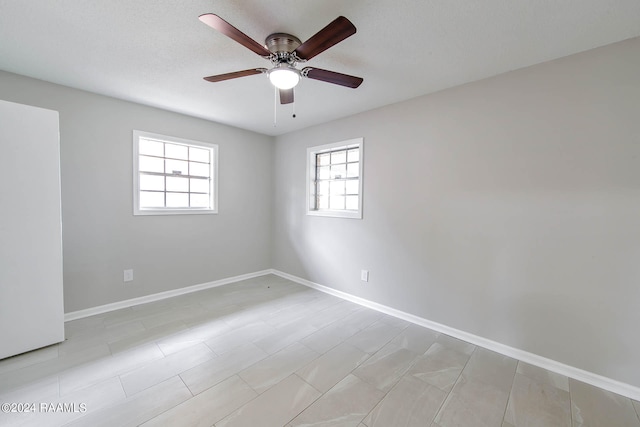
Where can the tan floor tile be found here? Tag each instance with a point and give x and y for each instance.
(146, 336)
(210, 373)
(192, 336)
(27, 376)
(138, 408)
(274, 368)
(537, 404)
(106, 367)
(285, 336)
(208, 407)
(591, 406)
(330, 336)
(491, 368)
(473, 403)
(386, 367)
(156, 371)
(456, 344)
(440, 366)
(411, 403)
(374, 337)
(344, 405)
(415, 338)
(28, 359)
(543, 376)
(275, 407)
(239, 336)
(480, 395)
(328, 369)
(80, 403)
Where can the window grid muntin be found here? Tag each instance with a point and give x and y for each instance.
(188, 176)
(317, 181)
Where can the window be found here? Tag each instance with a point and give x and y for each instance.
(334, 179)
(173, 175)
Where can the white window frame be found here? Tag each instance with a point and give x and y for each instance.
(311, 177)
(213, 183)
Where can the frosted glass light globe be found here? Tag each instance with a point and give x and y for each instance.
(284, 76)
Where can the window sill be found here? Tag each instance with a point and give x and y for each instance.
(175, 212)
(336, 214)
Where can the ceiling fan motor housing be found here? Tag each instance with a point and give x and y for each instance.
(282, 45)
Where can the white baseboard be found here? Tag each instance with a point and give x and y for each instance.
(525, 356)
(73, 315)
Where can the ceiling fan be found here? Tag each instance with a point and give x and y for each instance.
(285, 51)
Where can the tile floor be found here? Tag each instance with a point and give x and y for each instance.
(269, 352)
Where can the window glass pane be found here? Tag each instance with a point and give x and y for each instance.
(177, 184)
(150, 164)
(323, 159)
(151, 182)
(150, 147)
(199, 154)
(150, 199)
(176, 151)
(339, 157)
(176, 167)
(177, 200)
(353, 170)
(198, 169)
(199, 200)
(173, 175)
(336, 188)
(334, 176)
(323, 202)
(353, 186)
(338, 171)
(323, 172)
(323, 187)
(336, 202)
(353, 155)
(199, 185)
(352, 203)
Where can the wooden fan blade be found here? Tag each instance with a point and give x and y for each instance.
(235, 75)
(338, 30)
(286, 96)
(219, 24)
(332, 77)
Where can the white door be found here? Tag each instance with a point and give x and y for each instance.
(31, 304)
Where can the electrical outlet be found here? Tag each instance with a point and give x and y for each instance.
(128, 276)
(364, 275)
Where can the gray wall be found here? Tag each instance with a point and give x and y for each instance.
(101, 237)
(508, 208)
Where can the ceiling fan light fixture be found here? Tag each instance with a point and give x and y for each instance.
(284, 76)
(284, 51)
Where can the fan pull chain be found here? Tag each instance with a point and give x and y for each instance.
(293, 106)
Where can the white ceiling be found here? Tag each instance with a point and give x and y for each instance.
(155, 52)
